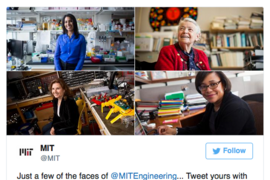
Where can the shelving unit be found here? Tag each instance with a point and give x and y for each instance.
(229, 31)
(236, 54)
(235, 30)
(22, 80)
(111, 10)
(234, 48)
(21, 31)
(147, 81)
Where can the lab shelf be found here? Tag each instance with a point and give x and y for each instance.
(21, 31)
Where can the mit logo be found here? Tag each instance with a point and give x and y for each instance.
(26, 151)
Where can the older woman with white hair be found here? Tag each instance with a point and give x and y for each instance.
(181, 55)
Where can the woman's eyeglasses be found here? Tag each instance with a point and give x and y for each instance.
(211, 86)
(182, 28)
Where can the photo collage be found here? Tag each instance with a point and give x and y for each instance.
(134, 71)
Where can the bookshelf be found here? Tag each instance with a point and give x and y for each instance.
(228, 47)
(235, 30)
(147, 81)
(233, 48)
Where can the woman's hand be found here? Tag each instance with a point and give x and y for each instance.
(166, 130)
(52, 132)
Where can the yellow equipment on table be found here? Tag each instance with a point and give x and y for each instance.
(117, 106)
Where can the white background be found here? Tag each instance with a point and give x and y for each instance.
(126, 153)
(153, 154)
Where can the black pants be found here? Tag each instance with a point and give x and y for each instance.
(67, 66)
(47, 128)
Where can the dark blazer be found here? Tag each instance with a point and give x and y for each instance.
(234, 118)
(69, 115)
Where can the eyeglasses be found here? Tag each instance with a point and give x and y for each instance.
(211, 86)
(182, 28)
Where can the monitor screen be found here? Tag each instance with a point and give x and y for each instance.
(16, 48)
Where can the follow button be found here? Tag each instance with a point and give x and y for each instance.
(229, 151)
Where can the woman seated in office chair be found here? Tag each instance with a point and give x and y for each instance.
(226, 114)
(66, 115)
(181, 55)
(70, 47)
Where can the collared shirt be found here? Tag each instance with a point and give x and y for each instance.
(191, 62)
(70, 50)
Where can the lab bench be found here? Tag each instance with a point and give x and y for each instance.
(35, 66)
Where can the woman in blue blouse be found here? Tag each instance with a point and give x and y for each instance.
(70, 46)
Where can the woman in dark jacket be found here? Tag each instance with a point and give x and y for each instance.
(66, 115)
(226, 114)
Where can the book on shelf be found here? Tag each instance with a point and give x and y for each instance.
(227, 59)
(256, 23)
(243, 23)
(258, 52)
(257, 61)
(218, 22)
(256, 20)
(243, 40)
(237, 40)
(237, 22)
(156, 44)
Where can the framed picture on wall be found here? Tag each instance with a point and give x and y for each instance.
(158, 75)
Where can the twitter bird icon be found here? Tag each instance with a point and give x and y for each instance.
(216, 151)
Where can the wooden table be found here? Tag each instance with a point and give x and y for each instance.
(186, 119)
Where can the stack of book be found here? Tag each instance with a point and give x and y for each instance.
(146, 108)
(243, 23)
(256, 24)
(218, 22)
(256, 20)
(195, 101)
(170, 107)
(230, 24)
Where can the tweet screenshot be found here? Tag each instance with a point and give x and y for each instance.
(135, 93)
